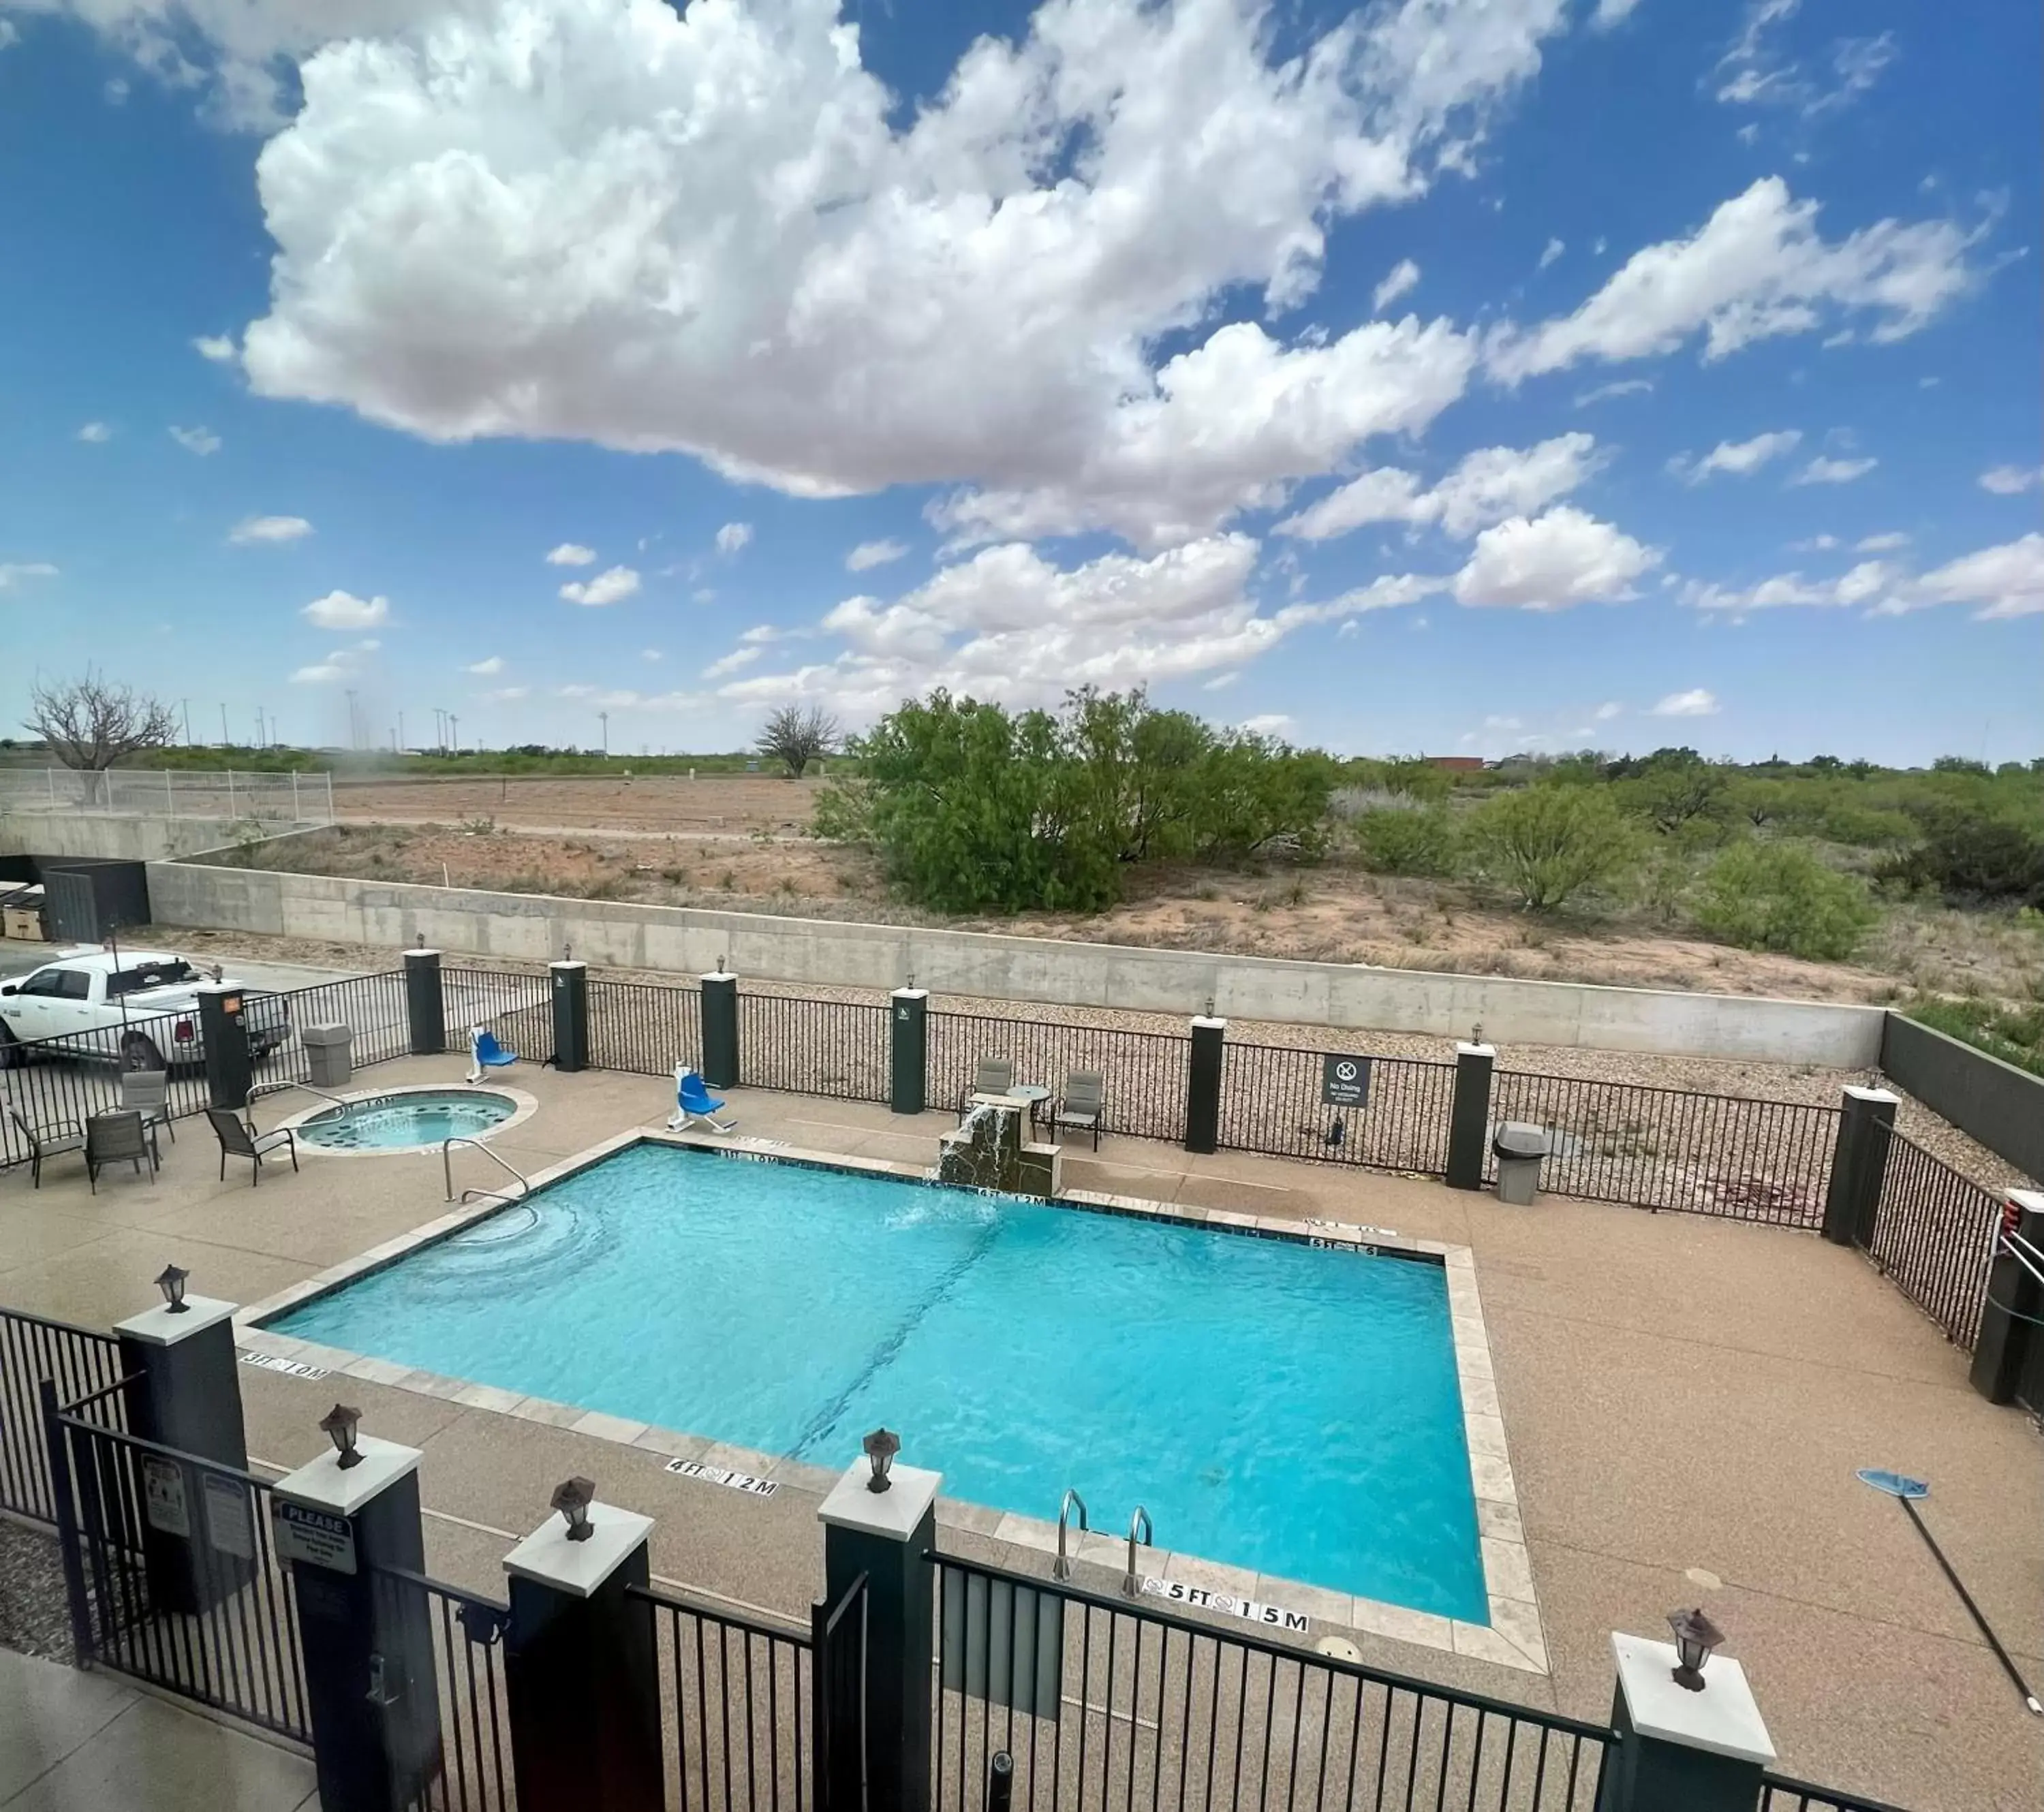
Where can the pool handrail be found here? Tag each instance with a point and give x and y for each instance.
(340, 1101)
(1147, 1538)
(447, 1167)
(1063, 1569)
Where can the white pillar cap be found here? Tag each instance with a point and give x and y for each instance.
(159, 1327)
(893, 1512)
(911, 994)
(568, 962)
(1206, 1020)
(322, 1484)
(718, 975)
(422, 950)
(2030, 1201)
(1872, 1094)
(1723, 1719)
(1463, 1048)
(549, 1558)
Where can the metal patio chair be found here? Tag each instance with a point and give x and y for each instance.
(239, 1139)
(1083, 1104)
(45, 1142)
(149, 1092)
(990, 1076)
(117, 1137)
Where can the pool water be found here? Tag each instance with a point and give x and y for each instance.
(1291, 1410)
(396, 1122)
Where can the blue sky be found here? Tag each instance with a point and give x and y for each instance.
(1454, 375)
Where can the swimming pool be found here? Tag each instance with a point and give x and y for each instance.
(1288, 1409)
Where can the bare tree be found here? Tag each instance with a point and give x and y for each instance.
(796, 737)
(92, 724)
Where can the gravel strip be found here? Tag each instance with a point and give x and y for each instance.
(35, 1617)
(1812, 1084)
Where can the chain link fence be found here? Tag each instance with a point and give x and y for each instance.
(172, 793)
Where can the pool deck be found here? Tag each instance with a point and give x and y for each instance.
(1684, 1400)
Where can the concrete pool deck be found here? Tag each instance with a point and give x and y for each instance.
(1685, 1400)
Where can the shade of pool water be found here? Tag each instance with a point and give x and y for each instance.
(390, 1122)
(1279, 1408)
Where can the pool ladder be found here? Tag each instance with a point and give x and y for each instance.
(1061, 1569)
(467, 1196)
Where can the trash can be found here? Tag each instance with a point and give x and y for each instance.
(328, 1055)
(1518, 1148)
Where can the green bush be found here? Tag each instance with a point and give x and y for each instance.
(1545, 843)
(2016, 1038)
(1779, 896)
(1422, 842)
(1970, 858)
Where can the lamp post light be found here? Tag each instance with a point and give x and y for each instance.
(172, 1283)
(1695, 1635)
(338, 1425)
(572, 1498)
(880, 1446)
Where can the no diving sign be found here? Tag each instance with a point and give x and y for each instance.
(1345, 1082)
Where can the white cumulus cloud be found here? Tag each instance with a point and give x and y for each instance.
(1549, 252)
(1759, 267)
(571, 554)
(494, 664)
(731, 662)
(1738, 458)
(710, 231)
(342, 610)
(1867, 583)
(868, 554)
(1562, 557)
(2008, 580)
(1697, 702)
(11, 573)
(733, 537)
(1825, 471)
(255, 530)
(1403, 276)
(2003, 481)
(1487, 486)
(200, 440)
(1887, 543)
(98, 433)
(220, 347)
(610, 586)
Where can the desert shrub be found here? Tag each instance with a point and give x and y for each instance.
(1779, 896)
(1421, 842)
(1545, 843)
(2015, 1036)
(1969, 858)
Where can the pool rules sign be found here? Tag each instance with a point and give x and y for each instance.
(1345, 1081)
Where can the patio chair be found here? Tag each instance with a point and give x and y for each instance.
(1083, 1103)
(239, 1139)
(44, 1143)
(694, 1102)
(149, 1092)
(115, 1138)
(485, 1053)
(990, 1076)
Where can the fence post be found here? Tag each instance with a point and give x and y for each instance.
(581, 1671)
(908, 1051)
(1859, 1165)
(720, 1029)
(2014, 1303)
(372, 1692)
(1680, 1751)
(297, 816)
(571, 1015)
(184, 1393)
(424, 1006)
(1468, 1119)
(1203, 1084)
(228, 1068)
(65, 1510)
(890, 1537)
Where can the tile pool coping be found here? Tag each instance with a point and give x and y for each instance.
(524, 1106)
(1513, 1638)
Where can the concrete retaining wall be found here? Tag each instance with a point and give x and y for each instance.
(684, 940)
(111, 836)
(1994, 1102)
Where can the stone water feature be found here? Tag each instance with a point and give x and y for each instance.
(989, 1151)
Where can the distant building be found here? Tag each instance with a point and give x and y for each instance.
(1456, 764)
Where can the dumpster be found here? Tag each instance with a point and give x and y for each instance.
(1518, 1149)
(328, 1055)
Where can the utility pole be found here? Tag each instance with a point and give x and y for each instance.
(603, 717)
(224, 738)
(259, 743)
(454, 731)
(354, 736)
(185, 703)
(401, 732)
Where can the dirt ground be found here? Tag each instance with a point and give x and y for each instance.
(738, 841)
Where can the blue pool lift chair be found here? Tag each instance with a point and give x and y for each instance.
(485, 1053)
(694, 1103)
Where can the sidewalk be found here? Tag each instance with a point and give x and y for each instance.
(86, 1742)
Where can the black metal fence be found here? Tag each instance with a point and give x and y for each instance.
(371, 1006)
(1779, 1793)
(837, 1048)
(1101, 1702)
(1270, 1102)
(1669, 1148)
(736, 1708)
(52, 1086)
(1144, 1072)
(466, 1633)
(230, 1637)
(78, 1362)
(518, 1009)
(1934, 1237)
(646, 1030)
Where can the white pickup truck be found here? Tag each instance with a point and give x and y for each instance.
(139, 1009)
